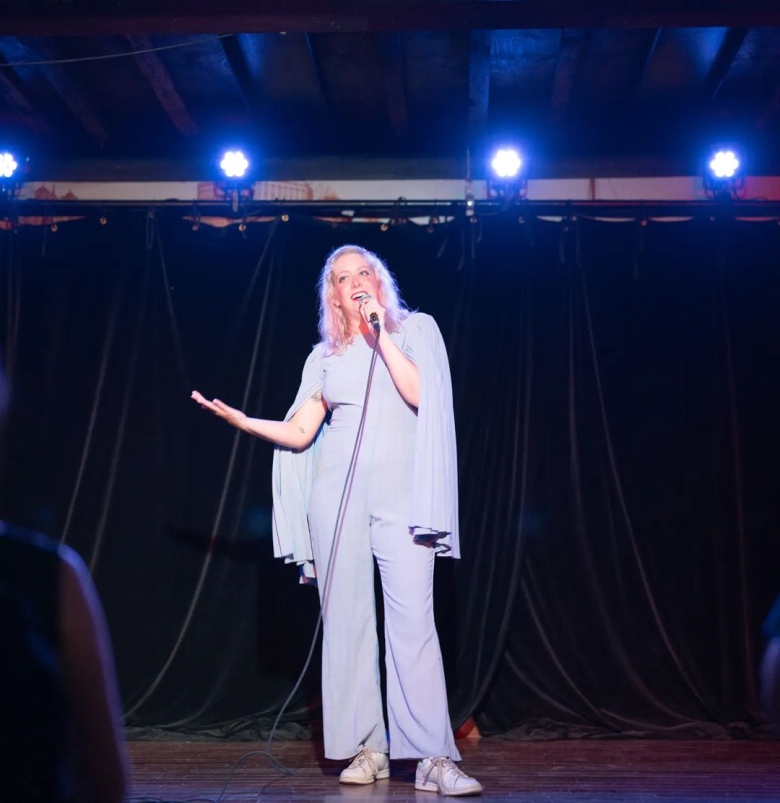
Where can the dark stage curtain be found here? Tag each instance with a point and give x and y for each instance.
(615, 397)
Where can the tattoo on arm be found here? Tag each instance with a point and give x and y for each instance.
(316, 397)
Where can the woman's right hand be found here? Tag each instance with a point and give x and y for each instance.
(234, 417)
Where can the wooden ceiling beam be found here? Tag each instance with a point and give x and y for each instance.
(155, 71)
(244, 72)
(644, 65)
(572, 51)
(732, 42)
(317, 79)
(12, 94)
(247, 56)
(71, 92)
(93, 17)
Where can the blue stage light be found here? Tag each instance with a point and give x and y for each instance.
(8, 165)
(234, 164)
(724, 165)
(506, 163)
(723, 171)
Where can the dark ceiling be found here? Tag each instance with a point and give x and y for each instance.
(633, 87)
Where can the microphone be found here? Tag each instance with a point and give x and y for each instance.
(373, 317)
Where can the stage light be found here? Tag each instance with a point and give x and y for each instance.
(236, 182)
(506, 176)
(234, 164)
(506, 163)
(8, 165)
(12, 170)
(724, 173)
(724, 164)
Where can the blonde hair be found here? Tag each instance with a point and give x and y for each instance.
(333, 325)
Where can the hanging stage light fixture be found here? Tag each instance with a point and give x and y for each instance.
(11, 170)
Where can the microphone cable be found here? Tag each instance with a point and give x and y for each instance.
(345, 494)
(343, 503)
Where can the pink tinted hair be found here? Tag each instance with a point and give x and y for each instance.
(333, 326)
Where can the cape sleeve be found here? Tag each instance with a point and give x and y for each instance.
(292, 474)
(434, 513)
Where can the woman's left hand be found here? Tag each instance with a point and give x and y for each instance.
(370, 305)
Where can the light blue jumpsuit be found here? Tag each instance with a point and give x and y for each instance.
(376, 524)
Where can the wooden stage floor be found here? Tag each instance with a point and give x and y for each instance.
(532, 772)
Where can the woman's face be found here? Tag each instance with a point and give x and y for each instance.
(352, 276)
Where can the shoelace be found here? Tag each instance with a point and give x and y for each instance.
(444, 764)
(362, 760)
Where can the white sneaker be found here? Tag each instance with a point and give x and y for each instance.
(367, 766)
(443, 775)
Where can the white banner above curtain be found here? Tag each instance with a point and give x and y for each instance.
(672, 188)
(388, 202)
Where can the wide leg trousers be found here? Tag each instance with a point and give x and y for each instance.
(374, 528)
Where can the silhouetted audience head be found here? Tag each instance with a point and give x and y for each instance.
(60, 718)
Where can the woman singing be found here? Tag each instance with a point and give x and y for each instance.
(354, 485)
